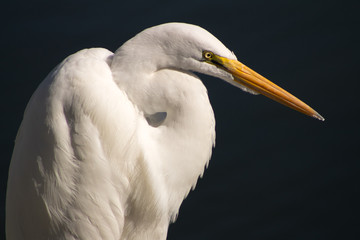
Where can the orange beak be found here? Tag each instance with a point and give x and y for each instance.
(254, 81)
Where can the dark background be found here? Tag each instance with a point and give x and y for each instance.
(274, 174)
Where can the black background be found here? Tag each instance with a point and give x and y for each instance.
(274, 174)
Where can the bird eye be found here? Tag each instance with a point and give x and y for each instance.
(207, 55)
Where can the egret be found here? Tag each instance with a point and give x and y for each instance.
(111, 143)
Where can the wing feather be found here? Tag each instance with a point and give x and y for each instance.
(78, 122)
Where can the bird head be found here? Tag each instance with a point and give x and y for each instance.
(188, 47)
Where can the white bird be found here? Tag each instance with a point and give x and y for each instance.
(111, 143)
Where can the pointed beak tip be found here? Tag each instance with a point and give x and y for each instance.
(318, 116)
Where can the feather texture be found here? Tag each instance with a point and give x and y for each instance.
(88, 165)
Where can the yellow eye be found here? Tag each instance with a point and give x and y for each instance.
(208, 55)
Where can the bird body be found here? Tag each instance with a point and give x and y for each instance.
(111, 143)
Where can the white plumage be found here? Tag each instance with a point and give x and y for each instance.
(111, 144)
